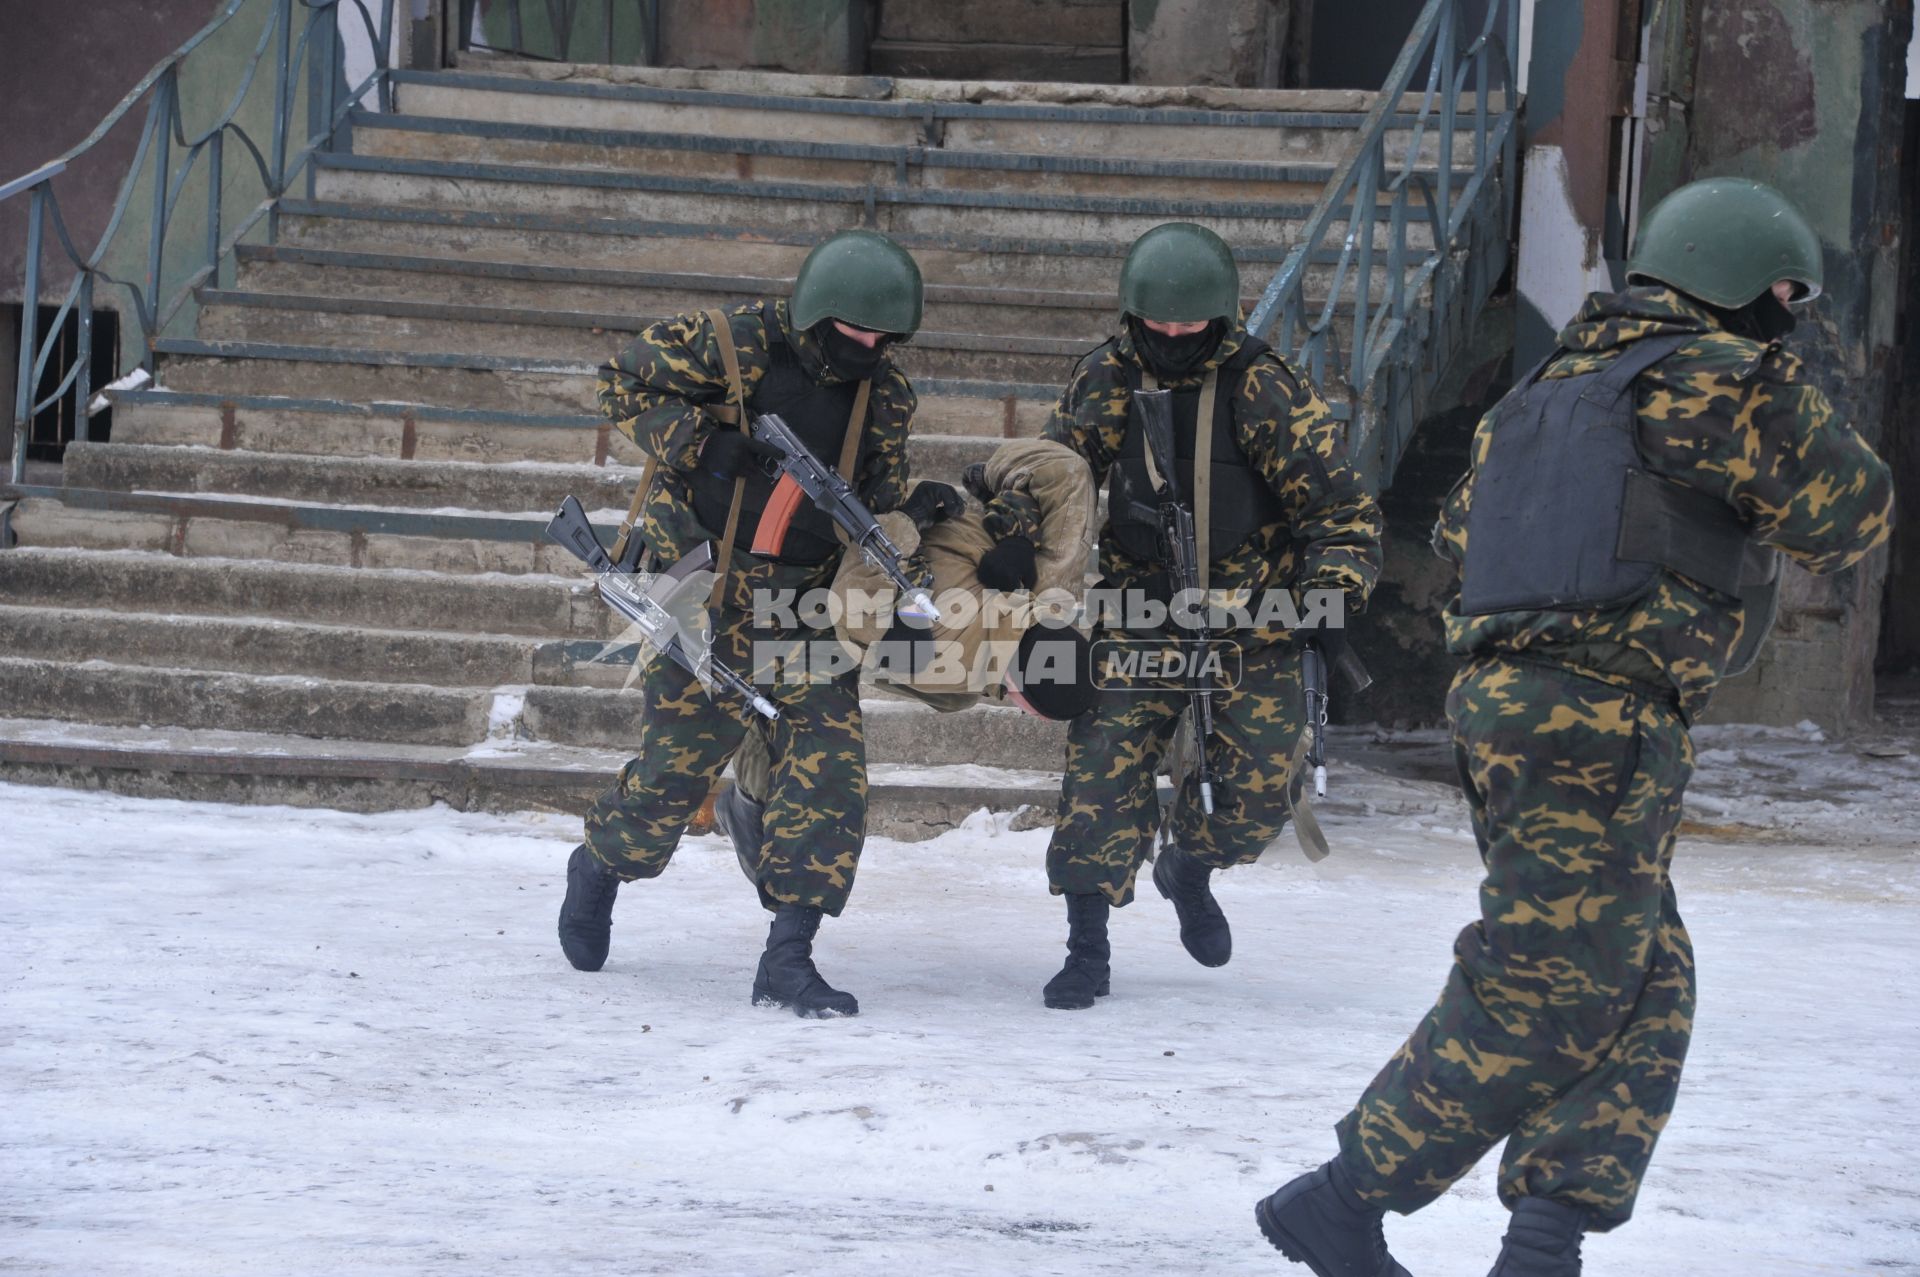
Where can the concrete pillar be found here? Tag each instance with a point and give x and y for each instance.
(1580, 78)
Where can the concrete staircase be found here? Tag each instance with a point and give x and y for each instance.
(309, 566)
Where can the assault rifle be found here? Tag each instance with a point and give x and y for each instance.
(650, 603)
(804, 475)
(1313, 673)
(1181, 551)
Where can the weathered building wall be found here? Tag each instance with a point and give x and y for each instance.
(63, 67)
(1806, 95)
(1233, 43)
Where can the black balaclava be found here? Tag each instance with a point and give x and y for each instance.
(1176, 356)
(1765, 318)
(846, 357)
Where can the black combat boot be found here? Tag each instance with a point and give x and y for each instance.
(1203, 927)
(742, 820)
(586, 915)
(1543, 1240)
(787, 976)
(1086, 975)
(1318, 1220)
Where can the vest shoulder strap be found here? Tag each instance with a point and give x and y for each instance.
(1612, 381)
(737, 393)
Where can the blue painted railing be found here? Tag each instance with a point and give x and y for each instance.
(300, 59)
(1398, 345)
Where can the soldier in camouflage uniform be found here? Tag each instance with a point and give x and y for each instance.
(1287, 512)
(821, 362)
(1565, 1018)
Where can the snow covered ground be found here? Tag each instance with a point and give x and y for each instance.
(266, 1040)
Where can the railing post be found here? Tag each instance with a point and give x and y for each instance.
(1445, 42)
(83, 381)
(29, 337)
(1366, 194)
(164, 106)
(282, 108)
(214, 152)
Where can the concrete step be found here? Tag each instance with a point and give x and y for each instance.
(542, 238)
(817, 209)
(338, 427)
(1141, 121)
(801, 158)
(897, 732)
(540, 606)
(522, 488)
(527, 386)
(1293, 127)
(1078, 64)
(285, 531)
(418, 713)
(317, 428)
(294, 705)
(264, 645)
(533, 488)
(397, 324)
(639, 296)
(361, 775)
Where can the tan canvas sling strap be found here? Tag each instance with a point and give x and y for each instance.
(1306, 826)
(850, 446)
(1202, 494)
(737, 408)
(1203, 481)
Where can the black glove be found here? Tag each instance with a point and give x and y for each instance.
(904, 650)
(974, 480)
(728, 454)
(1009, 566)
(930, 503)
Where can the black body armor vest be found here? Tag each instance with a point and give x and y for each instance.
(1566, 518)
(1242, 503)
(820, 416)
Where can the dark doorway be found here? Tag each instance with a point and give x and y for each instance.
(1353, 46)
(58, 424)
(1900, 617)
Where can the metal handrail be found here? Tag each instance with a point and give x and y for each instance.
(551, 37)
(163, 161)
(1462, 205)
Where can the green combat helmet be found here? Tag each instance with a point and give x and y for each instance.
(1727, 240)
(861, 278)
(1180, 274)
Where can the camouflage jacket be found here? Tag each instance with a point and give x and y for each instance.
(1331, 536)
(1724, 414)
(657, 392)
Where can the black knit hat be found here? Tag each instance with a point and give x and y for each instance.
(1052, 672)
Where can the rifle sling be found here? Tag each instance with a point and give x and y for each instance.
(1306, 826)
(737, 394)
(850, 445)
(1202, 495)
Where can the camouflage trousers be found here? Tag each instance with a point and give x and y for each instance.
(1565, 1019)
(1109, 805)
(815, 786)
